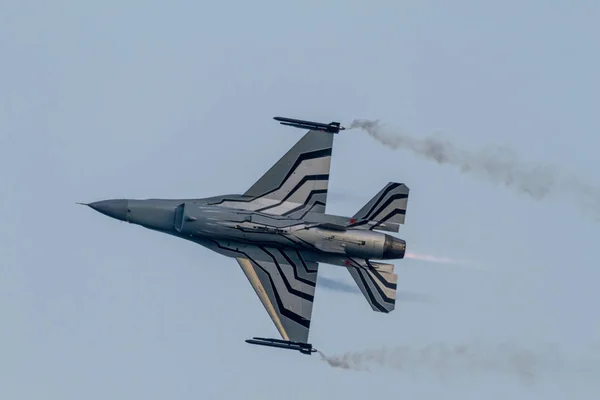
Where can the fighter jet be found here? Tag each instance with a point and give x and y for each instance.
(279, 232)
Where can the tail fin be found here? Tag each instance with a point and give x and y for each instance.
(377, 282)
(298, 182)
(385, 211)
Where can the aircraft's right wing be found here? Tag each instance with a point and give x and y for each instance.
(285, 284)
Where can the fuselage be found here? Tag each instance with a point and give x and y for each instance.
(199, 221)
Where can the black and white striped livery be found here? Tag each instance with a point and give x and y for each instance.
(295, 185)
(385, 211)
(279, 233)
(377, 282)
(283, 281)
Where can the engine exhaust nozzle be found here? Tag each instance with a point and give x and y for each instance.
(393, 248)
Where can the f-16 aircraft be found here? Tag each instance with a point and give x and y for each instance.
(278, 232)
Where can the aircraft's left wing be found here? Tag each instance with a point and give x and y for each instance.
(284, 282)
(295, 185)
(298, 183)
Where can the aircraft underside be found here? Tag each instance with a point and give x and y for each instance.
(279, 233)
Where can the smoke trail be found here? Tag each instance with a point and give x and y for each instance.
(445, 260)
(499, 165)
(426, 257)
(445, 361)
(339, 286)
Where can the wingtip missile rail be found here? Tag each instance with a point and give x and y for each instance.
(304, 348)
(332, 127)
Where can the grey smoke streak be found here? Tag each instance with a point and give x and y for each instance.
(340, 286)
(337, 285)
(499, 165)
(446, 361)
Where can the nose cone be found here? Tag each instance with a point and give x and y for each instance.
(116, 209)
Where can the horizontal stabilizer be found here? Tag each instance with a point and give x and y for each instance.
(385, 211)
(377, 282)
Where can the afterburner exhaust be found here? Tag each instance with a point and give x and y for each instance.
(393, 248)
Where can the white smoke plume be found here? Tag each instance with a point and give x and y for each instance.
(445, 260)
(500, 165)
(448, 361)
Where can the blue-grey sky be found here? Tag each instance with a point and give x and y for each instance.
(153, 99)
